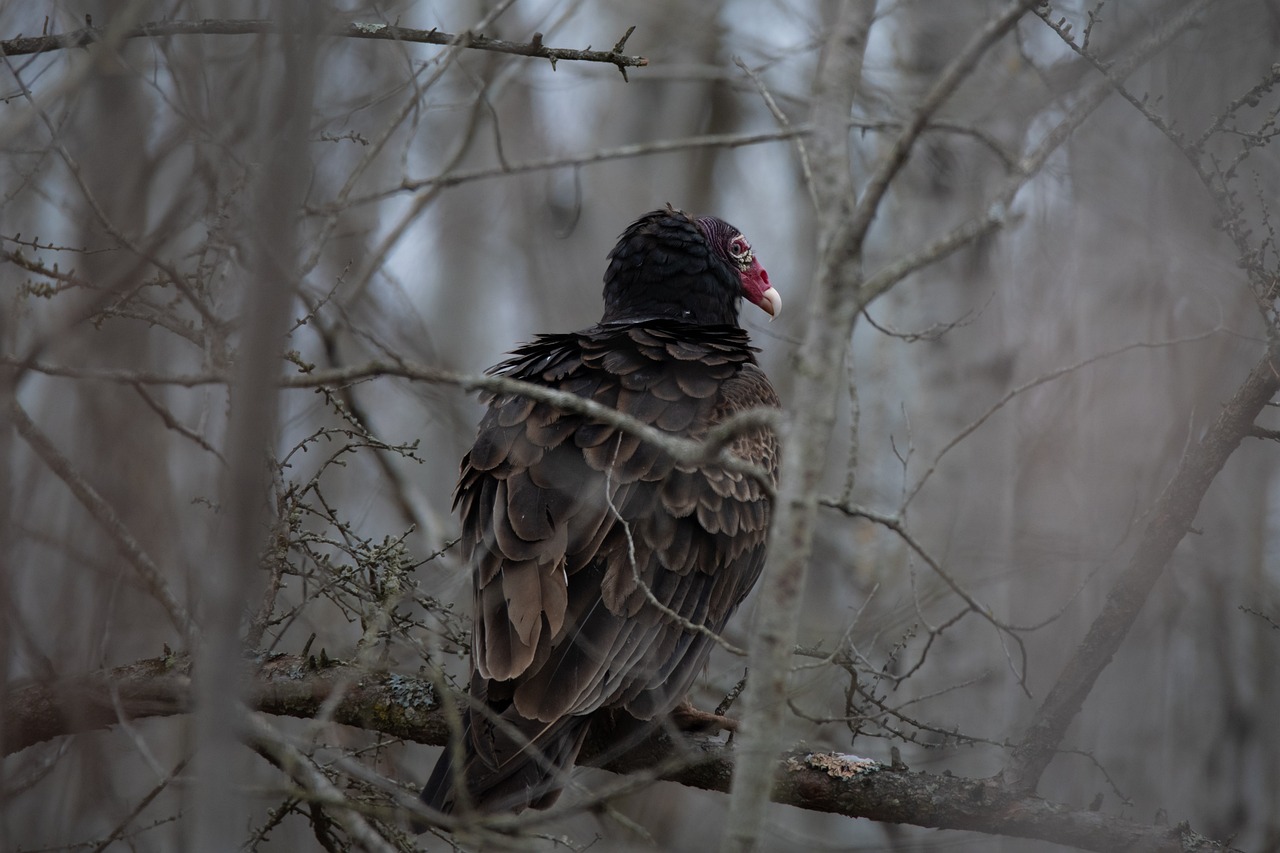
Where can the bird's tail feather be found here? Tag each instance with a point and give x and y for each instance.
(524, 765)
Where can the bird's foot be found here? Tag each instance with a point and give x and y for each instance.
(687, 718)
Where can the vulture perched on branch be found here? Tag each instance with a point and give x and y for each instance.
(603, 569)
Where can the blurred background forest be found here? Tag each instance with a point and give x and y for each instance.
(177, 210)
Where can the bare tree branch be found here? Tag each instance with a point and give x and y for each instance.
(230, 582)
(835, 303)
(997, 211)
(318, 787)
(600, 155)
(410, 708)
(103, 513)
(713, 449)
(829, 324)
(956, 72)
(1171, 517)
(1048, 376)
(24, 45)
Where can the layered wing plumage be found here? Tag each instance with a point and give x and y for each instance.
(597, 558)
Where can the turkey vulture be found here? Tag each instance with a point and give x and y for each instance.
(569, 523)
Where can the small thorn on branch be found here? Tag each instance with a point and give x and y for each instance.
(617, 51)
(622, 42)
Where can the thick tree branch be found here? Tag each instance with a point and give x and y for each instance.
(285, 685)
(829, 326)
(1171, 517)
(23, 45)
(230, 582)
(836, 300)
(410, 708)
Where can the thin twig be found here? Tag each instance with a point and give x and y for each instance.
(956, 72)
(316, 786)
(896, 525)
(780, 117)
(73, 166)
(1171, 517)
(103, 513)
(621, 152)
(173, 423)
(1050, 376)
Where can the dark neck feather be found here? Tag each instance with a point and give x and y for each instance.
(663, 268)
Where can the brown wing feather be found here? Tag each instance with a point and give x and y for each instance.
(568, 522)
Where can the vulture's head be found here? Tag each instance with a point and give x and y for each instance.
(669, 264)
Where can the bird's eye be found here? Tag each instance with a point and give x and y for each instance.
(740, 249)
